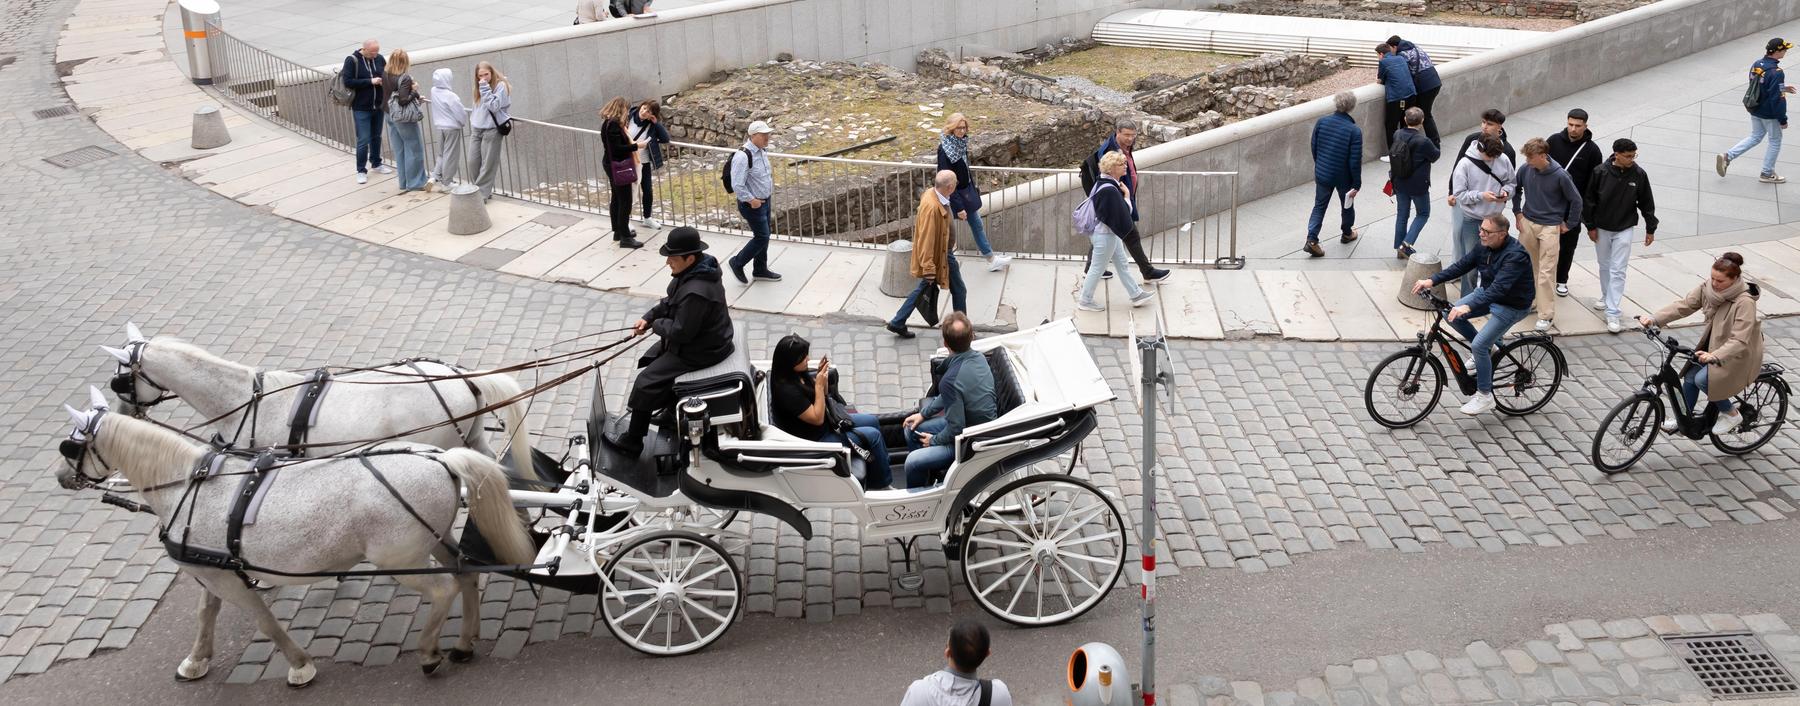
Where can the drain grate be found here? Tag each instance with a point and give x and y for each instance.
(57, 112)
(1734, 665)
(76, 158)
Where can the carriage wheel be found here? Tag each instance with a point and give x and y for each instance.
(1053, 559)
(699, 519)
(671, 593)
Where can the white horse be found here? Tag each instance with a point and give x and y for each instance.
(324, 515)
(350, 411)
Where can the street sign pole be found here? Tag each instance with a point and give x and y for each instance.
(1150, 351)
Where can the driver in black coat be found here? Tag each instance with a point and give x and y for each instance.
(694, 323)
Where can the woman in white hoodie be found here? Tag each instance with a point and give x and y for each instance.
(449, 118)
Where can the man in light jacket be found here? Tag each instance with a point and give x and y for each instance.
(753, 182)
(1546, 204)
(1484, 183)
(932, 261)
(956, 684)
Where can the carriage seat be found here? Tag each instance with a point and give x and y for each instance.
(1008, 395)
(728, 387)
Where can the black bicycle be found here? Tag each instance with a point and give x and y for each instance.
(1625, 436)
(1528, 370)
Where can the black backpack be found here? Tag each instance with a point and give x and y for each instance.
(1753, 94)
(1400, 161)
(1090, 172)
(725, 174)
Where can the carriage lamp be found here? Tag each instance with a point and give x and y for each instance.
(693, 410)
(1098, 676)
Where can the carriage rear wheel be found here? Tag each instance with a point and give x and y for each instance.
(1043, 550)
(671, 593)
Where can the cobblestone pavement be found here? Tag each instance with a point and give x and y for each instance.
(1268, 454)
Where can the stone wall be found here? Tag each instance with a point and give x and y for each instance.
(1212, 90)
(938, 64)
(1417, 10)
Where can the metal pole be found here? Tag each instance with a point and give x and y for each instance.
(1148, 349)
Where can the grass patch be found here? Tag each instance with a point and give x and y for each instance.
(1119, 67)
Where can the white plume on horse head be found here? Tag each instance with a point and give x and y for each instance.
(132, 334)
(81, 420)
(118, 353)
(95, 399)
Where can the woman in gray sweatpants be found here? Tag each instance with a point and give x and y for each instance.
(493, 96)
(449, 118)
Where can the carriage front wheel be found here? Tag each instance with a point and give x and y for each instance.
(1043, 550)
(671, 593)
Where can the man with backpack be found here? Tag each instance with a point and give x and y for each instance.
(1766, 100)
(1573, 148)
(748, 177)
(956, 684)
(1409, 165)
(1337, 169)
(1123, 140)
(362, 75)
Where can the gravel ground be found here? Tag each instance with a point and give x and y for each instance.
(1345, 80)
(1537, 24)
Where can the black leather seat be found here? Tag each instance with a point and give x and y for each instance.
(729, 389)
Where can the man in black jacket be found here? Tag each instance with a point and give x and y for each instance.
(1504, 297)
(694, 323)
(362, 75)
(1617, 193)
(1573, 148)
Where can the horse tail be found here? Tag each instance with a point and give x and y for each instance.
(490, 505)
(496, 387)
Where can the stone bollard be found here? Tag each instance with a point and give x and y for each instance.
(209, 128)
(468, 214)
(1420, 266)
(896, 276)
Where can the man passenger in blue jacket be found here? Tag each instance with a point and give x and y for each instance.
(1504, 297)
(965, 398)
(1337, 169)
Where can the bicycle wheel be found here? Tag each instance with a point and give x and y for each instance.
(1763, 406)
(1404, 388)
(1527, 373)
(1625, 435)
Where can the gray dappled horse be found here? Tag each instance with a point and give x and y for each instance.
(318, 516)
(349, 411)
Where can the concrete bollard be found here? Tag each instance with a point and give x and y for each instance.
(209, 128)
(896, 276)
(468, 214)
(1420, 266)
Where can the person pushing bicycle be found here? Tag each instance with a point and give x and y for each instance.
(1505, 297)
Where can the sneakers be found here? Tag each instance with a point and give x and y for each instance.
(766, 276)
(1562, 290)
(1721, 163)
(1772, 178)
(430, 184)
(997, 263)
(1543, 324)
(383, 169)
(1312, 248)
(362, 177)
(1106, 275)
(1143, 298)
(1599, 305)
(899, 330)
(1668, 426)
(737, 271)
(1613, 325)
(1086, 306)
(1481, 402)
(652, 224)
(1386, 158)
(1158, 276)
(1726, 422)
(1349, 237)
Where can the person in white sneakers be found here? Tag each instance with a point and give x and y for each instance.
(1504, 297)
(1547, 204)
(953, 155)
(956, 684)
(1765, 98)
(1616, 194)
(1730, 349)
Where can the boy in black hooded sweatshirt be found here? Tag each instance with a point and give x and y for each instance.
(1573, 148)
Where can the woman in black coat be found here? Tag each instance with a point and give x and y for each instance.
(621, 168)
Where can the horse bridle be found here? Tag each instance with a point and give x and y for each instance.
(124, 382)
(75, 449)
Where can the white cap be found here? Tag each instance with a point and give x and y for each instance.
(760, 128)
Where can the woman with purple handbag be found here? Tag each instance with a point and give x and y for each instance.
(621, 167)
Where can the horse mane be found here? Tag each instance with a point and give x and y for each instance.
(148, 455)
(180, 347)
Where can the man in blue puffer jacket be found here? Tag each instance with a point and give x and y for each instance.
(1393, 74)
(1768, 117)
(1337, 168)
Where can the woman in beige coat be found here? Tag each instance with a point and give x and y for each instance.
(1732, 342)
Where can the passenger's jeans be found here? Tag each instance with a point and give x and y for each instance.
(757, 250)
(450, 155)
(867, 429)
(409, 154)
(924, 463)
(1543, 242)
(1693, 384)
(1613, 252)
(1759, 128)
(959, 295)
(1481, 344)
(1464, 241)
(1107, 250)
(368, 139)
(1405, 234)
(1321, 198)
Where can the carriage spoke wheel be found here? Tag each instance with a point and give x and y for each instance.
(1053, 559)
(1626, 433)
(1404, 388)
(1526, 375)
(1763, 407)
(671, 593)
(696, 518)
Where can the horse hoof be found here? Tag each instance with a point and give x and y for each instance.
(460, 656)
(191, 670)
(302, 677)
(431, 668)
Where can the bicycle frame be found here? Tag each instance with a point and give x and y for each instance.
(1440, 339)
(1667, 382)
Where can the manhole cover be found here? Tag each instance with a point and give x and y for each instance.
(76, 158)
(1734, 666)
(53, 112)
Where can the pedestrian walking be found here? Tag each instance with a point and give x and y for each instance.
(1337, 169)
(405, 111)
(1392, 72)
(493, 96)
(754, 184)
(956, 684)
(362, 74)
(1425, 80)
(621, 155)
(1124, 141)
(1730, 349)
(1493, 122)
(1110, 201)
(1485, 180)
(1576, 150)
(449, 118)
(1766, 100)
(1546, 204)
(648, 132)
(965, 203)
(1410, 173)
(1618, 191)
(933, 259)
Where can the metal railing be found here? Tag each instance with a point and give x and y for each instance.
(1186, 217)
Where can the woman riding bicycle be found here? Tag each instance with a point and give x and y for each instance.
(1732, 340)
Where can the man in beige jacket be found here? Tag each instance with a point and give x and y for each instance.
(932, 261)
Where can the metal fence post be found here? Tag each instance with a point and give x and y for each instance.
(1150, 349)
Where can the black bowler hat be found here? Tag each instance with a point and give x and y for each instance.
(683, 241)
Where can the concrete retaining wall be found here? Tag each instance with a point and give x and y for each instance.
(1271, 152)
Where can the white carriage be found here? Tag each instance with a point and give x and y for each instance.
(654, 535)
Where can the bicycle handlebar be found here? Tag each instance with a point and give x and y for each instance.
(1669, 342)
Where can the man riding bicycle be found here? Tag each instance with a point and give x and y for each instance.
(1505, 298)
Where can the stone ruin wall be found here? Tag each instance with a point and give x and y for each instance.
(1383, 10)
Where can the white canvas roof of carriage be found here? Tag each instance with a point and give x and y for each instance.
(1233, 33)
(1054, 368)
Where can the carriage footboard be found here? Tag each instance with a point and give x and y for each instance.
(746, 501)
